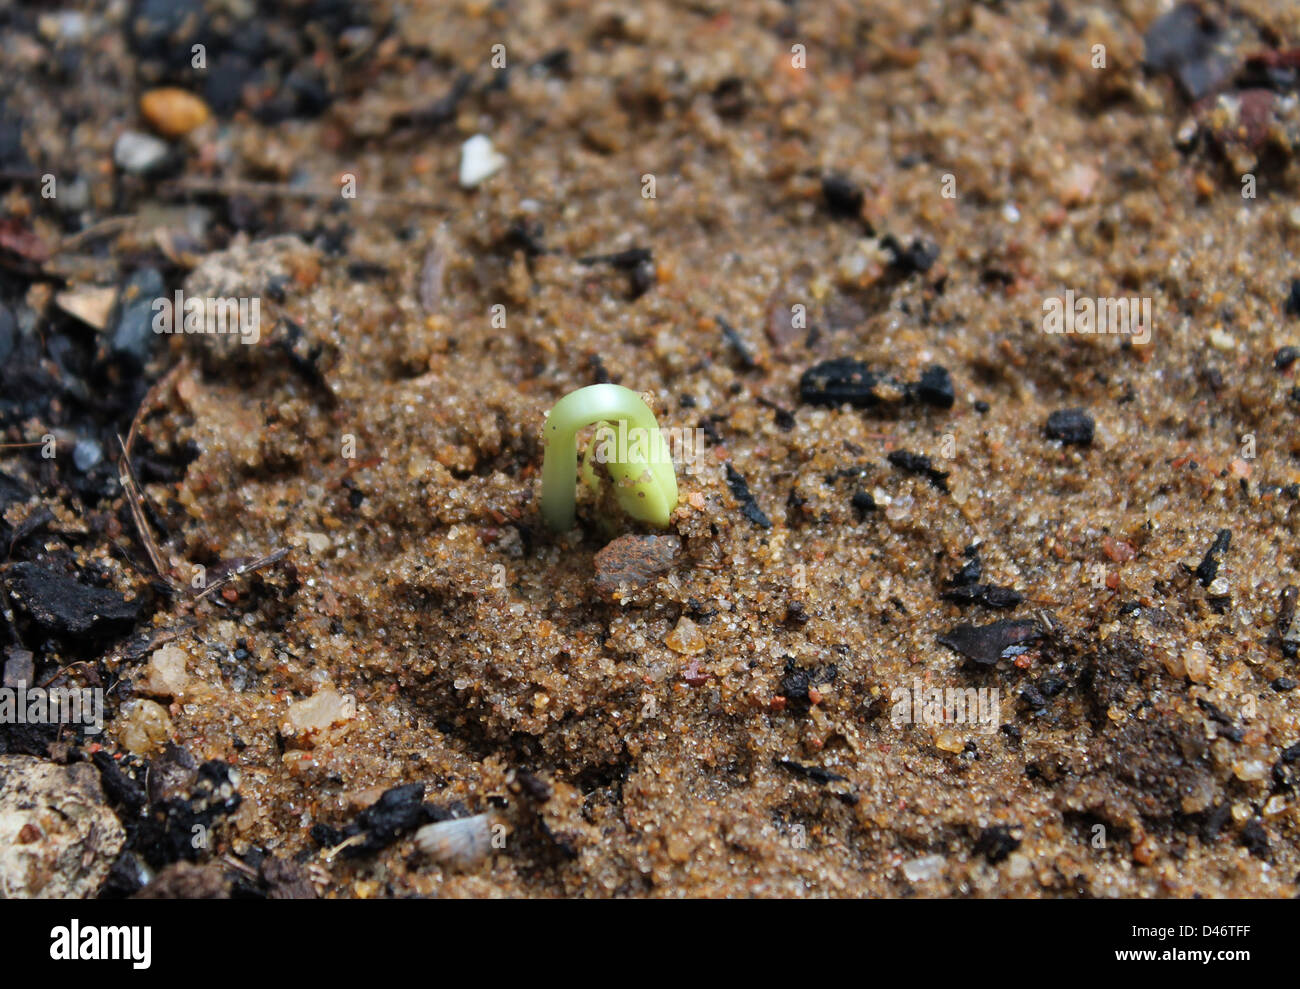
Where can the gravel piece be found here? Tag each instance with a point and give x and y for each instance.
(58, 838)
(1071, 426)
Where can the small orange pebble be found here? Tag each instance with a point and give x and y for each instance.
(696, 501)
(230, 595)
(814, 695)
(1024, 661)
(1117, 549)
(173, 112)
(1240, 468)
(777, 704)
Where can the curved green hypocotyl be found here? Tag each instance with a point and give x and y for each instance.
(642, 469)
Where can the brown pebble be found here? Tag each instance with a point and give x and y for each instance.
(173, 112)
(633, 561)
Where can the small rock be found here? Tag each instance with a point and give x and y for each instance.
(8, 333)
(686, 638)
(863, 502)
(1196, 663)
(92, 304)
(1189, 45)
(20, 667)
(843, 198)
(633, 561)
(87, 454)
(478, 161)
(460, 843)
(144, 727)
(132, 321)
(1071, 426)
(58, 838)
(165, 674)
(173, 112)
(321, 711)
(1293, 299)
(65, 25)
(139, 154)
(924, 868)
(917, 258)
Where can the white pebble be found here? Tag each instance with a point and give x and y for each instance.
(927, 867)
(138, 153)
(461, 842)
(478, 161)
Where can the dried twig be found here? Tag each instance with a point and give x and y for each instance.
(242, 569)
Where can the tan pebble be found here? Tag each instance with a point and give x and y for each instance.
(1197, 664)
(1250, 770)
(147, 727)
(949, 740)
(686, 638)
(165, 674)
(321, 710)
(173, 112)
(460, 843)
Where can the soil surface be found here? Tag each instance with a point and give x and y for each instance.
(825, 235)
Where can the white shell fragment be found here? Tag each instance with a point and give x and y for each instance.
(478, 161)
(461, 843)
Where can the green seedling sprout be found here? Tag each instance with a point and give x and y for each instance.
(645, 482)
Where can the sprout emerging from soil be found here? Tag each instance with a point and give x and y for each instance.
(636, 456)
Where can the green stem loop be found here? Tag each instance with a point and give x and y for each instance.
(645, 482)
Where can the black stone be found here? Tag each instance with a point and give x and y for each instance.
(1071, 426)
(1186, 43)
(1293, 299)
(843, 198)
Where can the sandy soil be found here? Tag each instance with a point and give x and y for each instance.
(729, 728)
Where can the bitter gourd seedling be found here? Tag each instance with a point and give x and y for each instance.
(636, 455)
